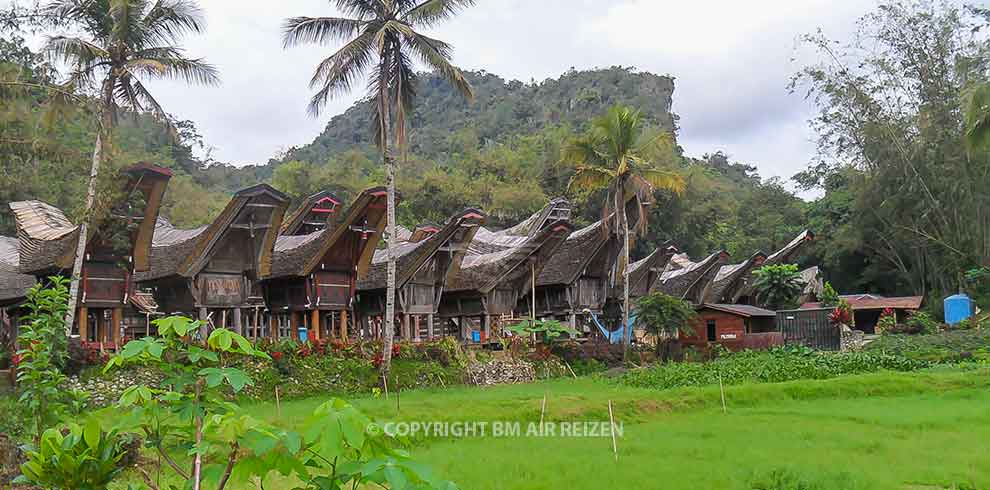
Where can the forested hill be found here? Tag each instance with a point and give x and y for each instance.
(500, 109)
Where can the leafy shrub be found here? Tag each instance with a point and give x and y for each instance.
(843, 314)
(918, 323)
(773, 366)
(887, 322)
(81, 458)
(947, 346)
(830, 297)
(603, 353)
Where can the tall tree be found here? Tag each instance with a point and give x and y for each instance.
(381, 38)
(614, 156)
(121, 43)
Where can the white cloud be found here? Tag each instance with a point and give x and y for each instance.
(731, 61)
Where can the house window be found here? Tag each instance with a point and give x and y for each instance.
(711, 330)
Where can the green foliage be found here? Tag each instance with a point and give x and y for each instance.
(664, 316)
(887, 322)
(74, 458)
(778, 286)
(43, 351)
(922, 322)
(774, 366)
(843, 314)
(893, 215)
(545, 330)
(829, 297)
(947, 346)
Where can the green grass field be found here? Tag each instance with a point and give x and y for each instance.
(887, 430)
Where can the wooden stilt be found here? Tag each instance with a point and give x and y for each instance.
(314, 324)
(204, 328)
(343, 325)
(83, 318)
(238, 326)
(416, 328)
(429, 326)
(116, 322)
(298, 320)
(405, 327)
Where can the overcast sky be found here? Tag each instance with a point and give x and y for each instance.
(731, 59)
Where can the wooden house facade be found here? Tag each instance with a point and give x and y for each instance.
(735, 327)
(424, 264)
(117, 248)
(213, 272)
(313, 280)
(488, 286)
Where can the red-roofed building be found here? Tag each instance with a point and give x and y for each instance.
(867, 308)
(736, 327)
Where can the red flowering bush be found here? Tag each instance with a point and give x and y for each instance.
(842, 314)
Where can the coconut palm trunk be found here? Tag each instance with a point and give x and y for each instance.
(99, 151)
(389, 163)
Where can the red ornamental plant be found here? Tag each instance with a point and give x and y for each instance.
(841, 315)
(277, 356)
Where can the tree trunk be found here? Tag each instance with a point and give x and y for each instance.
(389, 332)
(620, 211)
(102, 143)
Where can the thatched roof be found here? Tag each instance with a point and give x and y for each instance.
(46, 237)
(684, 281)
(813, 282)
(485, 272)
(425, 242)
(488, 241)
(640, 271)
(186, 252)
(784, 255)
(316, 211)
(731, 280)
(299, 255)
(679, 261)
(13, 285)
(574, 255)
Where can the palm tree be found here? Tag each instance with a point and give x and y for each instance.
(613, 155)
(380, 40)
(121, 43)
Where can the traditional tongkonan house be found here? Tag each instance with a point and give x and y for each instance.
(313, 280)
(213, 272)
(423, 265)
(746, 294)
(314, 214)
(488, 286)
(691, 280)
(731, 281)
(644, 272)
(117, 246)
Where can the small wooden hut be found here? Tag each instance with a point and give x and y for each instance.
(215, 270)
(313, 281)
(424, 263)
(117, 247)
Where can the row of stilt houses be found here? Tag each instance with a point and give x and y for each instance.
(320, 272)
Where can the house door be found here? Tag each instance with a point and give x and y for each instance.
(711, 331)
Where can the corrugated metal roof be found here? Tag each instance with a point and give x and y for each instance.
(873, 302)
(741, 310)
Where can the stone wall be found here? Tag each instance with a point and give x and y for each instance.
(850, 340)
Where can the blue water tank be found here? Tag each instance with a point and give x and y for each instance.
(958, 307)
(303, 334)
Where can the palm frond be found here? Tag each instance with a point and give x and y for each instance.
(123, 14)
(584, 151)
(74, 51)
(665, 180)
(431, 12)
(436, 55)
(319, 30)
(168, 63)
(362, 9)
(337, 73)
(590, 178)
(168, 20)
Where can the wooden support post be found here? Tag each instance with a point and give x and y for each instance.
(238, 326)
(429, 326)
(488, 326)
(298, 320)
(405, 326)
(116, 320)
(83, 318)
(272, 326)
(204, 330)
(343, 325)
(574, 320)
(416, 328)
(314, 325)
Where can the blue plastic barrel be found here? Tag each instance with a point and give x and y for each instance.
(958, 307)
(303, 334)
(476, 336)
